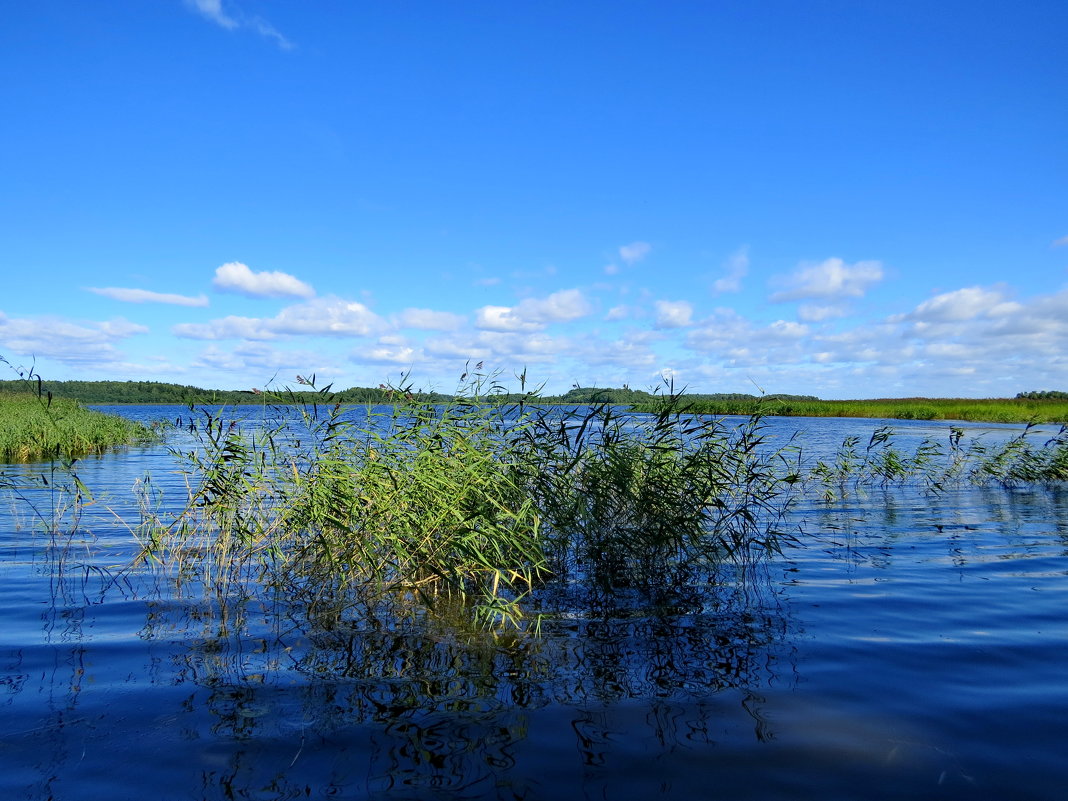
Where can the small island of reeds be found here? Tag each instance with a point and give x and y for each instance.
(35, 427)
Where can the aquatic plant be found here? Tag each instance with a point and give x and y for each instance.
(36, 426)
(1017, 460)
(1022, 409)
(486, 502)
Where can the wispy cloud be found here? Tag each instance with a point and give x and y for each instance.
(634, 252)
(832, 279)
(67, 342)
(237, 277)
(963, 304)
(430, 320)
(735, 269)
(327, 316)
(213, 10)
(1060, 243)
(146, 296)
(673, 313)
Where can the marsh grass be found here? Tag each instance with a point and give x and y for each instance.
(494, 506)
(35, 426)
(499, 512)
(934, 465)
(994, 410)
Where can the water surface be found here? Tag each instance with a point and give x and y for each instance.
(914, 647)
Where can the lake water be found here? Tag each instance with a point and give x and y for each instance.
(914, 646)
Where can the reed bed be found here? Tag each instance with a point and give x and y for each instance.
(511, 510)
(36, 426)
(994, 410)
(497, 507)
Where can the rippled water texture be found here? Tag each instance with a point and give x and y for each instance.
(914, 647)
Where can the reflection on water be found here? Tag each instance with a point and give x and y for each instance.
(914, 647)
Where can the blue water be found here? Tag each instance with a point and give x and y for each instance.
(914, 646)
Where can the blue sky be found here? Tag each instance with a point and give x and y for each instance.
(845, 199)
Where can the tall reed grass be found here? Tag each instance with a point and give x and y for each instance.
(994, 410)
(473, 501)
(36, 427)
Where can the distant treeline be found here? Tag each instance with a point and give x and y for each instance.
(1053, 394)
(103, 392)
(1046, 406)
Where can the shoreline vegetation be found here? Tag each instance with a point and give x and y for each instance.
(492, 511)
(38, 427)
(505, 513)
(1026, 407)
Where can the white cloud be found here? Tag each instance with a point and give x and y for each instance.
(503, 318)
(261, 358)
(145, 296)
(508, 348)
(619, 313)
(430, 320)
(237, 277)
(634, 252)
(831, 279)
(815, 313)
(533, 314)
(387, 354)
(611, 269)
(65, 341)
(213, 11)
(673, 314)
(327, 316)
(961, 304)
(740, 342)
(735, 269)
(1060, 243)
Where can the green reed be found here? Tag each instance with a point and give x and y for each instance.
(473, 500)
(936, 466)
(35, 427)
(995, 410)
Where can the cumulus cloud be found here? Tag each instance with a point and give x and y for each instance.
(237, 277)
(673, 313)
(262, 359)
(533, 314)
(500, 347)
(832, 279)
(213, 11)
(66, 341)
(962, 304)
(389, 350)
(327, 316)
(429, 320)
(740, 342)
(735, 269)
(634, 252)
(145, 296)
(815, 313)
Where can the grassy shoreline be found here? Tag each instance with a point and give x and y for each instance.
(34, 428)
(988, 410)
